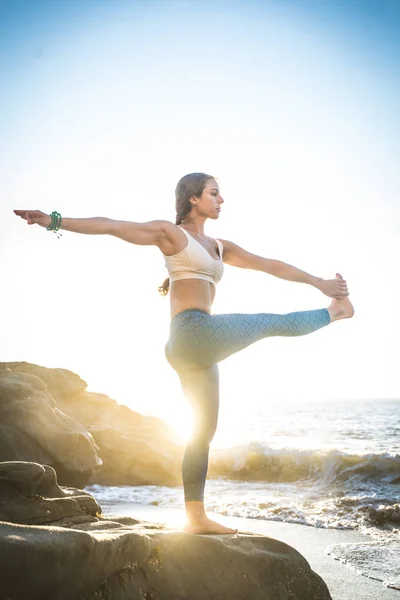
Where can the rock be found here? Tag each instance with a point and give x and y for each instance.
(29, 494)
(47, 416)
(384, 515)
(33, 428)
(134, 458)
(135, 449)
(78, 555)
(60, 383)
(121, 562)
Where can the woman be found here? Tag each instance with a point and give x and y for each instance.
(199, 340)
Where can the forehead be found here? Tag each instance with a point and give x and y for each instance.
(211, 183)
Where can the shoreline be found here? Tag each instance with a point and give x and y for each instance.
(311, 542)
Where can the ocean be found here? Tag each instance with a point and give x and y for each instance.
(327, 465)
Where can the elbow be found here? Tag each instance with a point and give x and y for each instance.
(109, 226)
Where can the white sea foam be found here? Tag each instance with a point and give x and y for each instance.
(378, 560)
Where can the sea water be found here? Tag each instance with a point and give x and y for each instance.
(332, 466)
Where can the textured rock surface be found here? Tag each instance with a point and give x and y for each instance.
(117, 561)
(47, 416)
(135, 449)
(81, 556)
(29, 494)
(33, 428)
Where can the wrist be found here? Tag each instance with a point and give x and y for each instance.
(317, 282)
(55, 221)
(46, 221)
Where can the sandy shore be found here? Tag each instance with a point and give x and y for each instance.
(343, 582)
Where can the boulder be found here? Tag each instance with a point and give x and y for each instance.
(29, 494)
(33, 428)
(60, 383)
(48, 416)
(78, 555)
(143, 561)
(135, 449)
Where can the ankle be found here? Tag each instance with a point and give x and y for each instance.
(332, 313)
(195, 510)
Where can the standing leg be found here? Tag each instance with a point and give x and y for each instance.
(201, 387)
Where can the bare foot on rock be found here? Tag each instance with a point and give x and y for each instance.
(207, 526)
(340, 308)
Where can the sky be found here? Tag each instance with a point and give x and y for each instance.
(292, 105)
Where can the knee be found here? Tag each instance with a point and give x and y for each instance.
(203, 436)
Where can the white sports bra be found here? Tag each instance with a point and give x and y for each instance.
(195, 262)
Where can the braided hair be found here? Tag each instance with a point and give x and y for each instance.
(188, 186)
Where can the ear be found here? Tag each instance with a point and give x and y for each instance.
(193, 201)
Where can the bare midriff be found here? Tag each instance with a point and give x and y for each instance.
(191, 293)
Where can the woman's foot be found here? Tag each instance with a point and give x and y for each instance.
(340, 308)
(197, 521)
(206, 525)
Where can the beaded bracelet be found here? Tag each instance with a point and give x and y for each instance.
(55, 222)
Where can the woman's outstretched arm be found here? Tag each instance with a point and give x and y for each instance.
(150, 233)
(238, 257)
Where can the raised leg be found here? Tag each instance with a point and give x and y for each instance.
(201, 387)
(199, 340)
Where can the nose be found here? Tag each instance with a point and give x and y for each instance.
(221, 200)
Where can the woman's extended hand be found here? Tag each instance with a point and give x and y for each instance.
(334, 288)
(34, 216)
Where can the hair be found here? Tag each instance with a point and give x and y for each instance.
(188, 186)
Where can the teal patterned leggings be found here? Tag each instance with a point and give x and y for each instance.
(197, 342)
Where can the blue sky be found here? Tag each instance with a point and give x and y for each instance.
(293, 106)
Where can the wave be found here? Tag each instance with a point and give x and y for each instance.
(329, 489)
(255, 462)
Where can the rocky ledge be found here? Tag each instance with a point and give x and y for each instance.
(48, 416)
(55, 545)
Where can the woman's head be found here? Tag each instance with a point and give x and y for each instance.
(196, 194)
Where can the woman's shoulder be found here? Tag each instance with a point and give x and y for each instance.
(172, 230)
(173, 239)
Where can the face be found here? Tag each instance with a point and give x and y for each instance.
(209, 204)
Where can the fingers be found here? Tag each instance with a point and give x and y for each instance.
(28, 215)
(342, 285)
(342, 293)
(339, 284)
(339, 287)
(22, 213)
